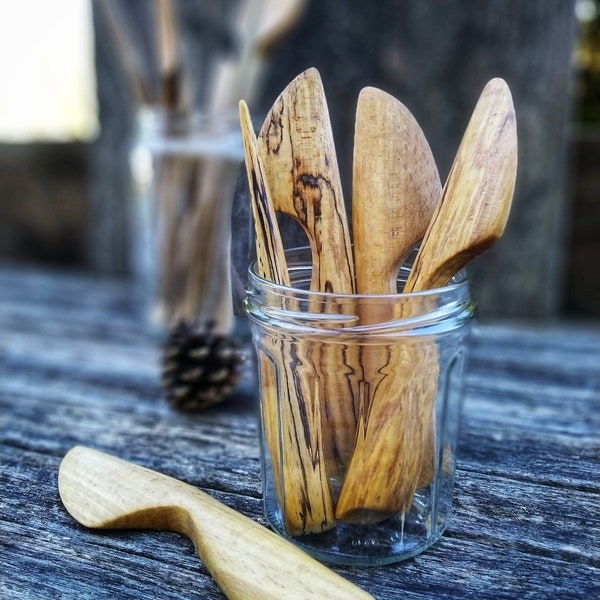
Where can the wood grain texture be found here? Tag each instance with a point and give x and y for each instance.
(247, 560)
(355, 43)
(269, 245)
(271, 265)
(525, 521)
(477, 196)
(398, 399)
(395, 189)
(454, 49)
(469, 218)
(290, 401)
(297, 148)
(298, 151)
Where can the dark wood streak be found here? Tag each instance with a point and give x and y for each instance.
(265, 222)
(297, 140)
(305, 185)
(274, 131)
(299, 377)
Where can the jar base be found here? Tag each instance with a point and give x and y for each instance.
(396, 539)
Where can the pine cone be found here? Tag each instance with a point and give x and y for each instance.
(200, 368)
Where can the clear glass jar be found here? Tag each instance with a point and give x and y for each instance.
(360, 403)
(184, 170)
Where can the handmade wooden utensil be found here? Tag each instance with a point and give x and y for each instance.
(395, 190)
(272, 266)
(290, 409)
(246, 560)
(257, 28)
(396, 187)
(477, 196)
(270, 252)
(297, 147)
(486, 192)
(471, 216)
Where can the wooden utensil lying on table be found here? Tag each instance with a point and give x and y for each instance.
(396, 188)
(297, 149)
(471, 216)
(246, 560)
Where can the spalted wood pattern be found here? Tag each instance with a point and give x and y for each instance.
(76, 368)
(298, 151)
(289, 407)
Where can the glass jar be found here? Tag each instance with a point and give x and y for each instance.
(360, 401)
(184, 170)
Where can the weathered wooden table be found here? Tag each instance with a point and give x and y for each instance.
(78, 368)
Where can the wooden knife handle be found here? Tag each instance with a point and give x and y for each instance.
(247, 560)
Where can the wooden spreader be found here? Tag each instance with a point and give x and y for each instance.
(356, 447)
(396, 188)
(470, 217)
(248, 561)
(297, 149)
(289, 404)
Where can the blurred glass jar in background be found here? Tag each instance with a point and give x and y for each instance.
(184, 171)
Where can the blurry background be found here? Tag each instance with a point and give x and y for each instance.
(67, 118)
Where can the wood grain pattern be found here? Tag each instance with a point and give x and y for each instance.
(395, 190)
(297, 148)
(477, 195)
(247, 560)
(395, 424)
(290, 399)
(470, 217)
(525, 521)
(271, 265)
(269, 245)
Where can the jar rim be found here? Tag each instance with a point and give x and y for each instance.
(299, 310)
(196, 134)
(459, 281)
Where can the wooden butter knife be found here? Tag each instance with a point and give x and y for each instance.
(248, 561)
(471, 216)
